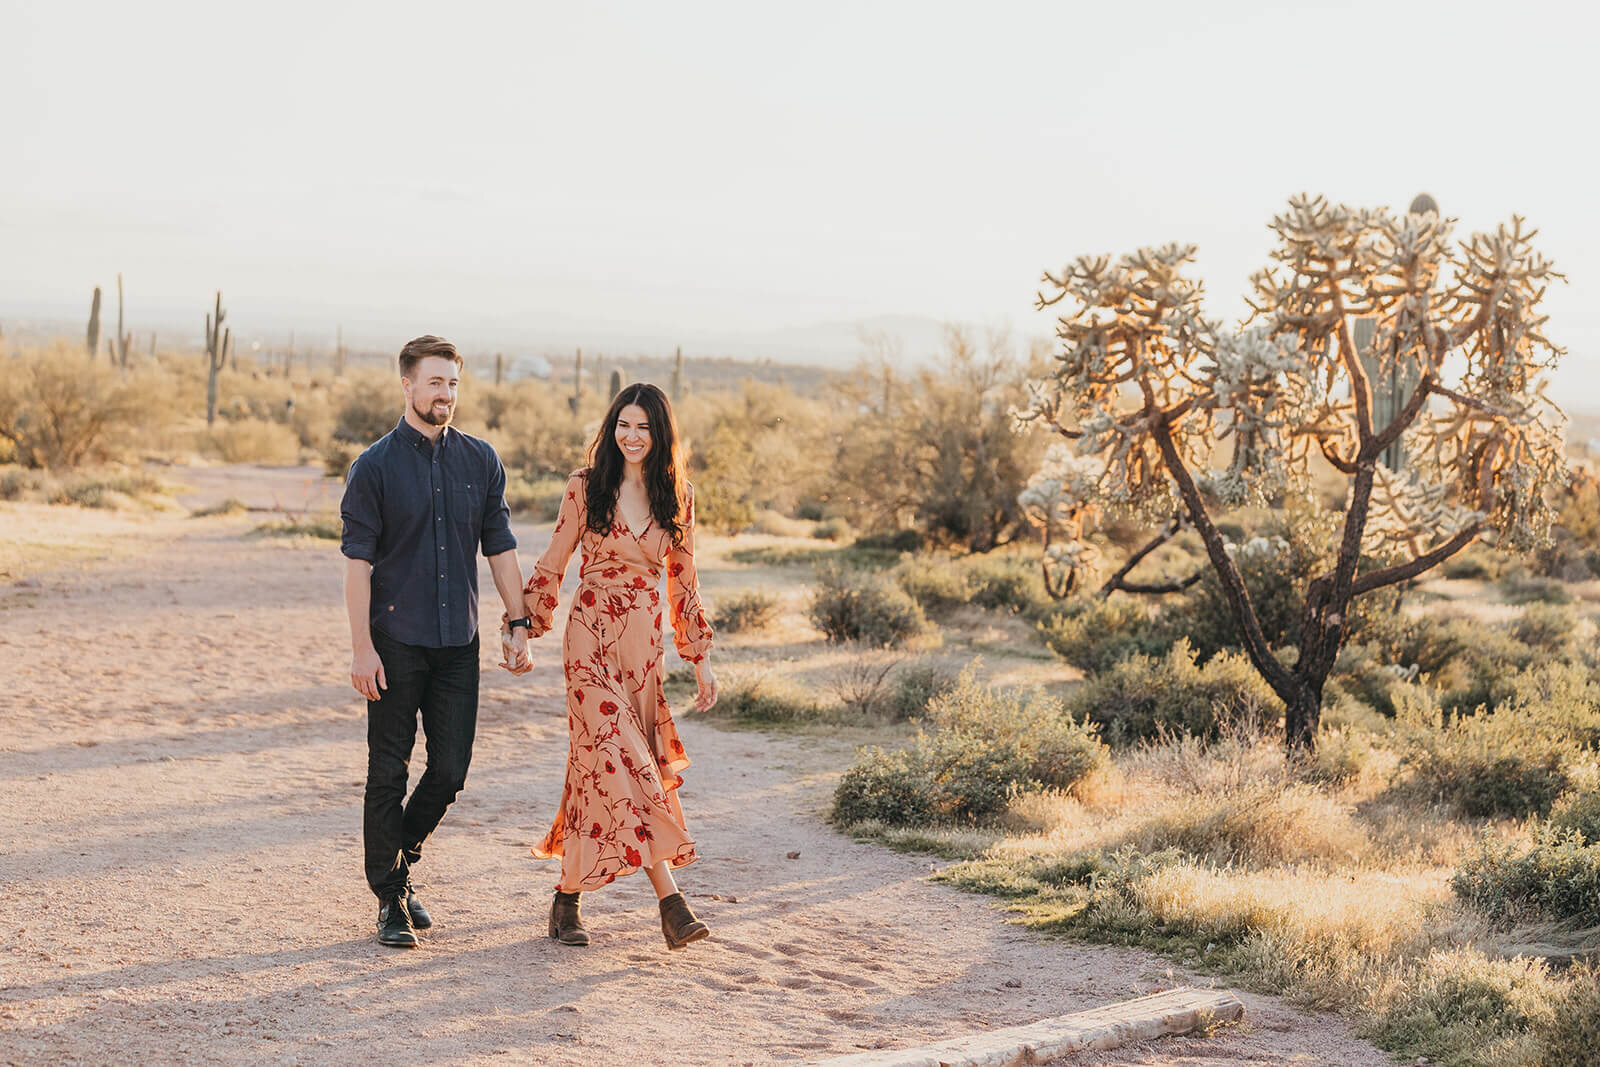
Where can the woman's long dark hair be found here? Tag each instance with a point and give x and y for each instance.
(664, 475)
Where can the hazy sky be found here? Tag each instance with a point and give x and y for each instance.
(722, 167)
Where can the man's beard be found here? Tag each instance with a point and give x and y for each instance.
(430, 418)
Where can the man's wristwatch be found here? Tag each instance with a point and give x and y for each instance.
(525, 622)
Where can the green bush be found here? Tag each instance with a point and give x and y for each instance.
(982, 746)
(1008, 583)
(898, 541)
(1288, 550)
(1578, 812)
(1557, 877)
(1546, 628)
(1141, 697)
(253, 441)
(540, 499)
(367, 413)
(893, 788)
(918, 685)
(935, 582)
(768, 700)
(1519, 587)
(746, 611)
(1572, 1037)
(856, 605)
(1505, 763)
(1058, 750)
(835, 529)
(1095, 633)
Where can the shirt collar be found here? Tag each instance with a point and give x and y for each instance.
(414, 437)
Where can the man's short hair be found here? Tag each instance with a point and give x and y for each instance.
(420, 348)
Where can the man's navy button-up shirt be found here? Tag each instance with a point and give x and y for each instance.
(418, 512)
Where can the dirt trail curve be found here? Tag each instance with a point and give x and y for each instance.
(180, 776)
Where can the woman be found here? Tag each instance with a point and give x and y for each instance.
(632, 513)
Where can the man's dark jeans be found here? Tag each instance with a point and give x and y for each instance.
(443, 684)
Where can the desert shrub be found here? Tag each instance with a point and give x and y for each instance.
(1342, 757)
(1095, 633)
(1260, 822)
(895, 541)
(918, 685)
(59, 410)
(253, 441)
(982, 746)
(1557, 877)
(1276, 564)
(863, 686)
(1486, 764)
(776, 524)
(1473, 564)
(936, 583)
(537, 434)
(1362, 676)
(1008, 583)
(539, 499)
(1572, 1036)
(367, 412)
(855, 605)
(231, 506)
(744, 611)
(337, 456)
(1458, 1004)
(1578, 812)
(322, 527)
(834, 529)
(1546, 628)
(17, 484)
(1520, 587)
(893, 788)
(1057, 749)
(767, 699)
(754, 447)
(1142, 697)
(1562, 698)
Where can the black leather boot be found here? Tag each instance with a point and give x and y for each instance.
(678, 923)
(394, 923)
(566, 925)
(419, 915)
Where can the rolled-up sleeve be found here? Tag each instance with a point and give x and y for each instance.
(497, 536)
(360, 511)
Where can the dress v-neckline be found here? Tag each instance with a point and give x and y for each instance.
(626, 525)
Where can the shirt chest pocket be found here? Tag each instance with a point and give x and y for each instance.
(466, 502)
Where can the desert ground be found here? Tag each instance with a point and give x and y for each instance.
(181, 767)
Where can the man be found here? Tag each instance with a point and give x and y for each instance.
(417, 506)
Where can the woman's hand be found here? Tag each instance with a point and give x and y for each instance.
(706, 698)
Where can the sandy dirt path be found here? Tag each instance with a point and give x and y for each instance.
(181, 770)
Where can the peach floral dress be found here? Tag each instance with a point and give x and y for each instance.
(619, 805)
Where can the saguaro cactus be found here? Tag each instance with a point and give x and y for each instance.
(499, 368)
(338, 352)
(576, 398)
(92, 341)
(218, 341)
(121, 341)
(619, 379)
(677, 375)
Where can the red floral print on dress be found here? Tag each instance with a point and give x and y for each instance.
(612, 651)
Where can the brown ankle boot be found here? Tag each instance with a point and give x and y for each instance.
(566, 925)
(678, 923)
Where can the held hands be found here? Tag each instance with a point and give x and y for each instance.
(366, 673)
(706, 698)
(514, 649)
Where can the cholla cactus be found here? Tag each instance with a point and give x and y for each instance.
(1060, 500)
(1148, 386)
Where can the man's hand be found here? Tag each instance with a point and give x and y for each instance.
(366, 673)
(514, 651)
(706, 698)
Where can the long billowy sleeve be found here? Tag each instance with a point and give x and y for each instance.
(691, 633)
(539, 596)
